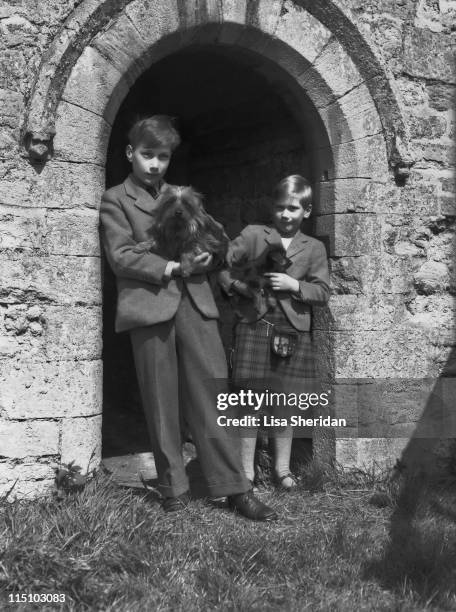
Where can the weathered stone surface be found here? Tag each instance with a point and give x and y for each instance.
(373, 274)
(57, 185)
(54, 232)
(360, 312)
(37, 390)
(27, 489)
(342, 196)
(337, 68)
(74, 232)
(22, 227)
(25, 471)
(401, 353)
(350, 234)
(51, 332)
(301, 31)
(153, 20)
(353, 116)
(431, 153)
(433, 276)
(432, 127)
(362, 453)
(61, 279)
(29, 438)
(122, 45)
(365, 158)
(96, 85)
(81, 442)
(442, 97)
(81, 136)
(429, 55)
(234, 11)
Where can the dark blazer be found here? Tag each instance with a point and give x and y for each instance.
(309, 265)
(144, 298)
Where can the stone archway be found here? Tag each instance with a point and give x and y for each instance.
(307, 54)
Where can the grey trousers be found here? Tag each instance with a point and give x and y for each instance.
(174, 361)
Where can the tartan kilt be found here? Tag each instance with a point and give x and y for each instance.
(255, 365)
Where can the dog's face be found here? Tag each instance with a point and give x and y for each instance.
(180, 212)
(273, 259)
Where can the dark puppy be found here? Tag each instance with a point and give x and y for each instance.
(183, 229)
(273, 259)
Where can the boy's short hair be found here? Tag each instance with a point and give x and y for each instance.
(155, 131)
(295, 186)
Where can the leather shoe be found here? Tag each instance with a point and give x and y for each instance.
(251, 507)
(173, 504)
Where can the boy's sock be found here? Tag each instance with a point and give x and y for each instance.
(282, 453)
(248, 452)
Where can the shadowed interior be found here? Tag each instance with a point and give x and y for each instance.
(243, 129)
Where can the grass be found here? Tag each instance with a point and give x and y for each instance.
(109, 548)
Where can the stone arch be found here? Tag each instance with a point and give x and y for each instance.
(105, 46)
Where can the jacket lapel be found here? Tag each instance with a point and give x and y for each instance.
(142, 198)
(297, 245)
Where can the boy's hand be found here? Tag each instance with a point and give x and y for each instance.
(278, 281)
(202, 263)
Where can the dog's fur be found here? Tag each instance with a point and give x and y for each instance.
(183, 229)
(273, 259)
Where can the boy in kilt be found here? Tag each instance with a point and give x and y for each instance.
(273, 344)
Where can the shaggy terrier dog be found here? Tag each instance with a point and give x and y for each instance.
(183, 229)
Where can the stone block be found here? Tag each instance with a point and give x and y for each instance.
(429, 55)
(12, 109)
(372, 274)
(432, 127)
(154, 20)
(339, 70)
(301, 31)
(72, 232)
(432, 277)
(431, 153)
(57, 185)
(53, 389)
(29, 438)
(54, 278)
(80, 136)
(346, 196)
(46, 332)
(96, 85)
(350, 234)
(22, 228)
(361, 312)
(81, 442)
(442, 96)
(316, 88)
(393, 353)
(234, 11)
(351, 117)
(264, 15)
(364, 453)
(25, 471)
(364, 158)
(27, 489)
(123, 47)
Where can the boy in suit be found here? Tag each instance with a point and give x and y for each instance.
(172, 323)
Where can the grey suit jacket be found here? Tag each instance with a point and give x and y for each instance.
(144, 298)
(309, 265)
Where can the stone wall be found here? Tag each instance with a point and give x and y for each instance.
(392, 247)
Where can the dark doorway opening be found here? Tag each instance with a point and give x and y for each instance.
(239, 138)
